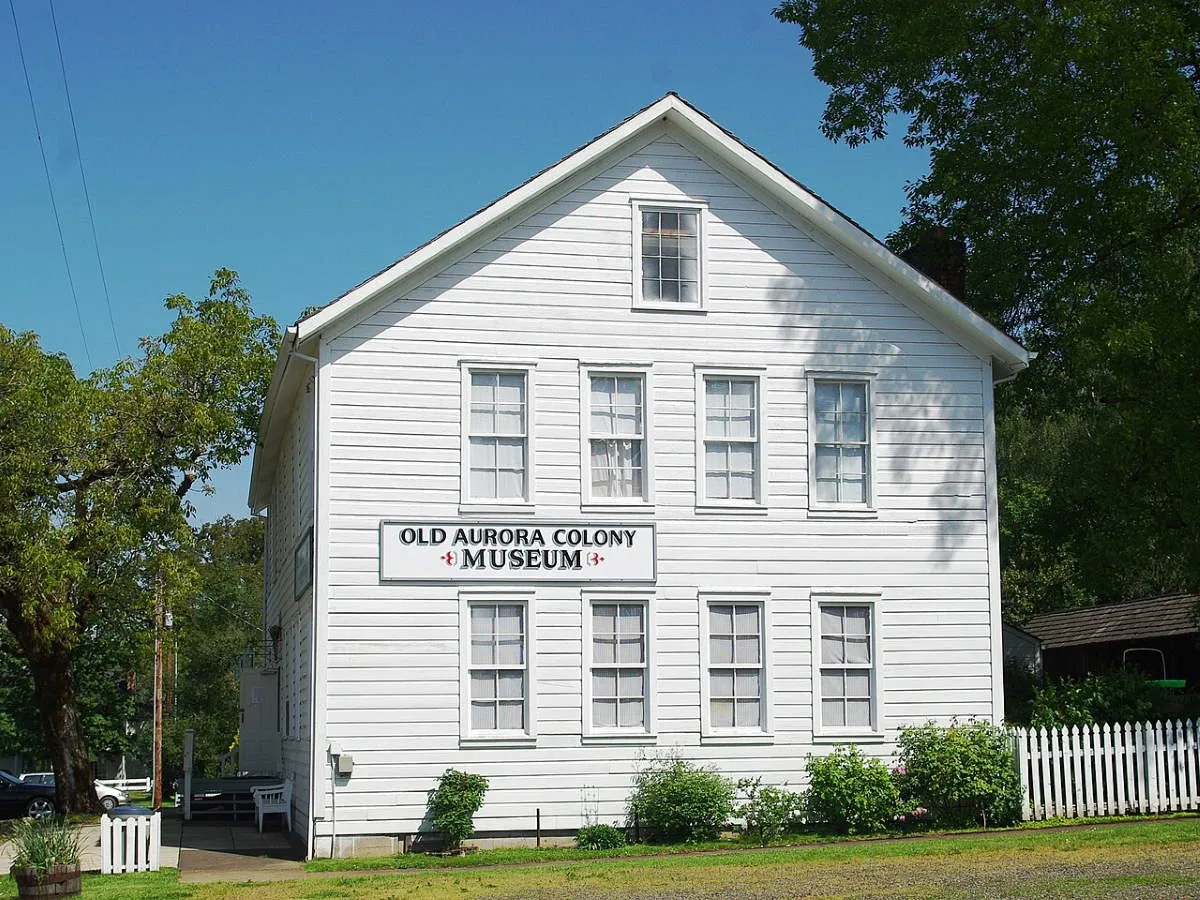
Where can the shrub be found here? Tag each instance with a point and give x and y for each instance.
(453, 803)
(768, 811)
(963, 774)
(1113, 697)
(599, 837)
(676, 801)
(39, 844)
(851, 793)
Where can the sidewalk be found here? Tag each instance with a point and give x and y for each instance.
(222, 851)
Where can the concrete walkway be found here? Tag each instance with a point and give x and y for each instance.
(211, 850)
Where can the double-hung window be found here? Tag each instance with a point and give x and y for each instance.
(736, 672)
(620, 679)
(668, 255)
(847, 654)
(732, 457)
(841, 443)
(499, 668)
(617, 436)
(498, 443)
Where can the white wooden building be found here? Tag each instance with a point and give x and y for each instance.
(656, 452)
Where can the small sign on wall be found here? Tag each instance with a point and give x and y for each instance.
(502, 551)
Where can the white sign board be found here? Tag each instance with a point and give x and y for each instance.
(507, 551)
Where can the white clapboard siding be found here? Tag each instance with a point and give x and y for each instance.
(1109, 769)
(130, 843)
(555, 288)
(291, 514)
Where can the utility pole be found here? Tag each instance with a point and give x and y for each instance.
(156, 803)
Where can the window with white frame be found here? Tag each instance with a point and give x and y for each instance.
(847, 667)
(619, 665)
(617, 435)
(841, 443)
(498, 429)
(669, 242)
(731, 438)
(735, 661)
(498, 667)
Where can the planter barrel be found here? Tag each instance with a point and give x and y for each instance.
(57, 881)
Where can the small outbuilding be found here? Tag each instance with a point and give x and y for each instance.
(1158, 636)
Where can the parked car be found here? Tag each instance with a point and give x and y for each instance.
(109, 797)
(18, 798)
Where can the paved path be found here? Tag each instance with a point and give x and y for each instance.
(219, 851)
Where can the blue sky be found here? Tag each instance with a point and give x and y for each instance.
(308, 145)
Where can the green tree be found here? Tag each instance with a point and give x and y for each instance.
(1064, 143)
(94, 478)
(211, 633)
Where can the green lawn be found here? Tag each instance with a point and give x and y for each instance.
(1159, 859)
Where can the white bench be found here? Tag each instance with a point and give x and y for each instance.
(273, 798)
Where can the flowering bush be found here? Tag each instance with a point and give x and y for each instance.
(768, 811)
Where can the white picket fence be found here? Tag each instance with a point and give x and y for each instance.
(127, 784)
(130, 843)
(1109, 770)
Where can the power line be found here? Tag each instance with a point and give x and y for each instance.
(37, 129)
(83, 180)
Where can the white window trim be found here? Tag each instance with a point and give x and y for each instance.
(637, 204)
(467, 503)
(766, 733)
(593, 733)
(614, 504)
(822, 734)
(816, 508)
(703, 502)
(468, 736)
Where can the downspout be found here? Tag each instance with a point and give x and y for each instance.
(312, 643)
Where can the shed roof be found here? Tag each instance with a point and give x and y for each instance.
(1154, 617)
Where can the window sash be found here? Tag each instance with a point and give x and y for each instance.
(841, 440)
(620, 675)
(497, 670)
(616, 429)
(847, 666)
(736, 666)
(670, 255)
(497, 429)
(732, 457)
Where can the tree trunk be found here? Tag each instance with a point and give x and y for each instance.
(49, 659)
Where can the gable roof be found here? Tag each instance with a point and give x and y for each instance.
(952, 315)
(1154, 617)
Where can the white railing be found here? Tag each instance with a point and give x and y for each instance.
(127, 784)
(130, 843)
(1109, 770)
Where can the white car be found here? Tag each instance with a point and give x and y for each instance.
(109, 797)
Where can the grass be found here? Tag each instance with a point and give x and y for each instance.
(508, 856)
(1145, 859)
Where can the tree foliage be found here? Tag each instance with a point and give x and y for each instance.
(1064, 142)
(211, 634)
(94, 478)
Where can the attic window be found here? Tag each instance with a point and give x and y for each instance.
(668, 250)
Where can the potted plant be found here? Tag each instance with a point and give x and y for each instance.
(45, 857)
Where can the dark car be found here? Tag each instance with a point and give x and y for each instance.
(20, 799)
